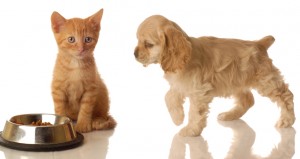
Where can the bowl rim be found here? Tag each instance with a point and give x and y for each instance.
(68, 120)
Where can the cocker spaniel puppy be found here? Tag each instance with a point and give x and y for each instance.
(207, 67)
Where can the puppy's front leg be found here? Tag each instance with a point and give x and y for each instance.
(174, 101)
(197, 115)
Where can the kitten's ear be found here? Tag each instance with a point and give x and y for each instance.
(57, 21)
(96, 19)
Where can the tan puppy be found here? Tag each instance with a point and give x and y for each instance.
(207, 67)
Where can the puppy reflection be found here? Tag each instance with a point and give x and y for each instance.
(243, 139)
(207, 67)
(241, 147)
(286, 148)
(197, 145)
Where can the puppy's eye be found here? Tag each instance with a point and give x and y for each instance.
(71, 39)
(148, 45)
(87, 39)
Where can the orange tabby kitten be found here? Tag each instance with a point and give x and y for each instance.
(77, 89)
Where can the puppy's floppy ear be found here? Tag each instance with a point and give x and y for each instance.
(177, 51)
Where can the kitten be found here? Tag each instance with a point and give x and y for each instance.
(77, 89)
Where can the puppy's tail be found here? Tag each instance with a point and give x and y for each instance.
(266, 42)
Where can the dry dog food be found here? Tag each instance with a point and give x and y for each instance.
(40, 123)
(35, 123)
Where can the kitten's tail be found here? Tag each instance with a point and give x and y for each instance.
(111, 122)
(104, 124)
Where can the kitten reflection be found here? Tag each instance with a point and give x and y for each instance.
(96, 145)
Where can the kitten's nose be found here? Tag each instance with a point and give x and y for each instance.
(80, 49)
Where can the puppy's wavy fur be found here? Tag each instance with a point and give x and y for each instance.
(207, 67)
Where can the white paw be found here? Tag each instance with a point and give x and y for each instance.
(190, 131)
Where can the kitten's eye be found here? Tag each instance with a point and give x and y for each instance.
(71, 39)
(148, 45)
(87, 39)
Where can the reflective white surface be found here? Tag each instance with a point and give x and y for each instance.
(145, 130)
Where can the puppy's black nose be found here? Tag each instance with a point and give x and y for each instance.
(136, 54)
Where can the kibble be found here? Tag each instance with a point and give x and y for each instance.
(40, 123)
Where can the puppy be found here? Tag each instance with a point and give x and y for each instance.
(207, 67)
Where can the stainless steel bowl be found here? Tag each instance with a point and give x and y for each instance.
(19, 130)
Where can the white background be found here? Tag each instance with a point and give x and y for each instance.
(145, 130)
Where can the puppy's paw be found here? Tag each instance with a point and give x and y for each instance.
(177, 116)
(227, 116)
(190, 131)
(83, 127)
(224, 116)
(285, 122)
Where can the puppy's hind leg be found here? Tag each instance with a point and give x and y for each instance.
(244, 100)
(274, 87)
(174, 101)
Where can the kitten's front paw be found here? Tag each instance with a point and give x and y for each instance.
(83, 127)
(177, 116)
